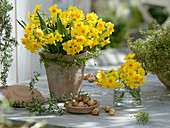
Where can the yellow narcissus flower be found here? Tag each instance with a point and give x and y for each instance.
(99, 84)
(127, 82)
(33, 46)
(58, 37)
(78, 25)
(39, 32)
(71, 51)
(79, 15)
(137, 65)
(75, 32)
(84, 30)
(72, 43)
(81, 39)
(132, 86)
(110, 27)
(103, 75)
(91, 16)
(66, 46)
(26, 35)
(79, 48)
(119, 84)
(131, 73)
(106, 34)
(24, 41)
(129, 56)
(130, 64)
(110, 80)
(141, 71)
(30, 17)
(137, 77)
(88, 43)
(92, 32)
(123, 76)
(142, 81)
(94, 43)
(101, 25)
(50, 36)
(50, 39)
(53, 11)
(37, 7)
(29, 28)
(36, 46)
(108, 87)
(71, 8)
(113, 73)
(105, 42)
(110, 70)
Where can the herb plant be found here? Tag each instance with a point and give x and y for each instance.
(40, 106)
(7, 42)
(153, 52)
(142, 117)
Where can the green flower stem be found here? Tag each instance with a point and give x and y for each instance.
(121, 96)
(134, 93)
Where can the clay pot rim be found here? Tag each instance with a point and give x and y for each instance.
(43, 51)
(66, 57)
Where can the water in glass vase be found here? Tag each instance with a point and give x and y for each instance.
(126, 97)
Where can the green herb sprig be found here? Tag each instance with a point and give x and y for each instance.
(142, 117)
(38, 106)
(7, 42)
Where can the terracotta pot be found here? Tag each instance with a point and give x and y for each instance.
(62, 82)
(163, 80)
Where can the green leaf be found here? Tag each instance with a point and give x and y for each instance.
(21, 24)
(43, 25)
(121, 96)
(61, 29)
(96, 25)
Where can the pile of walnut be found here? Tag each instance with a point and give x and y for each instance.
(91, 77)
(80, 100)
(108, 109)
(84, 100)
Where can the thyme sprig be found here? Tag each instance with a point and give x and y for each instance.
(142, 117)
(37, 106)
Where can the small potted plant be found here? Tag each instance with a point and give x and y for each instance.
(153, 52)
(68, 39)
(126, 82)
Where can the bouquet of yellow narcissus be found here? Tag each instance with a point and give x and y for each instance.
(67, 32)
(130, 75)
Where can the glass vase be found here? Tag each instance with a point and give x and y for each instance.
(126, 97)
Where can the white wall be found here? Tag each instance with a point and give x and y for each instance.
(12, 77)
